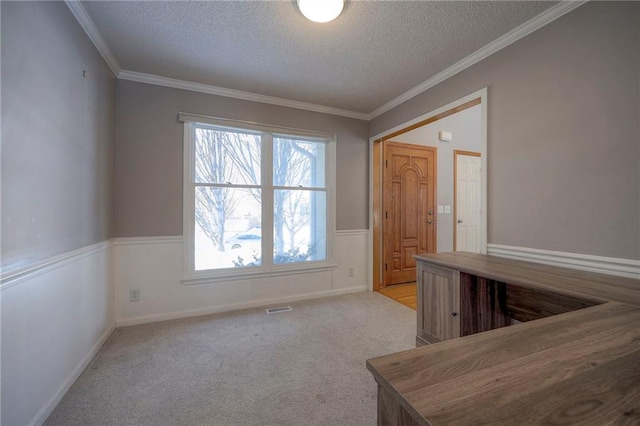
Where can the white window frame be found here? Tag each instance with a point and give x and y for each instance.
(267, 269)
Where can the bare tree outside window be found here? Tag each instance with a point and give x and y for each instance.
(228, 196)
(213, 165)
(295, 166)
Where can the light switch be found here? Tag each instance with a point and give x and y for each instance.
(440, 209)
(447, 209)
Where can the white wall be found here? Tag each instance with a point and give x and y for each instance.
(55, 317)
(153, 265)
(466, 127)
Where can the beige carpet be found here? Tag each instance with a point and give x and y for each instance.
(305, 367)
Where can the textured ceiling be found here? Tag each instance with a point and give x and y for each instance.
(372, 53)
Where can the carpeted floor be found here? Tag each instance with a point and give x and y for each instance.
(304, 367)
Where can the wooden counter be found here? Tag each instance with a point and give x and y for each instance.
(590, 285)
(577, 367)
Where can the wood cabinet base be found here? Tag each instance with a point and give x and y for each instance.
(391, 413)
(572, 359)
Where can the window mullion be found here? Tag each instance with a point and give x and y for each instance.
(227, 185)
(189, 200)
(267, 200)
(301, 188)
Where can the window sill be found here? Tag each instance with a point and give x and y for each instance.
(239, 275)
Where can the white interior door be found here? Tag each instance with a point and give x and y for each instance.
(468, 207)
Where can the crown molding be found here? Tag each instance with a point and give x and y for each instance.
(85, 21)
(512, 36)
(94, 35)
(237, 94)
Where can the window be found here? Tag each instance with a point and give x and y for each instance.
(257, 199)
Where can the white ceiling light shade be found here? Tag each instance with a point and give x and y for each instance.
(321, 10)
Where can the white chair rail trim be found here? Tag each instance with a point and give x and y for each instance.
(16, 276)
(605, 265)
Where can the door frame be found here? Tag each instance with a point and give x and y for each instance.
(434, 150)
(457, 152)
(375, 263)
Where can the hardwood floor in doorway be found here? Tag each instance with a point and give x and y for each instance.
(402, 293)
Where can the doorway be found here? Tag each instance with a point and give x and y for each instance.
(379, 241)
(467, 199)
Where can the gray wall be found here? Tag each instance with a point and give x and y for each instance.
(58, 133)
(149, 154)
(564, 140)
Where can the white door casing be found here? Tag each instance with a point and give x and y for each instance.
(468, 207)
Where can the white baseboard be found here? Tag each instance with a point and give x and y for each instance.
(604, 265)
(234, 307)
(48, 408)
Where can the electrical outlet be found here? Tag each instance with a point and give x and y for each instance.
(134, 295)
(352, 272)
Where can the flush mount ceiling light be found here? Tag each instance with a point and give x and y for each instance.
(320, 10)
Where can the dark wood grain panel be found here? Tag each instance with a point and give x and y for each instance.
(483, 304)
(391, 413)
(526, 304)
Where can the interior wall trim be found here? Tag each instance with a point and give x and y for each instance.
(85, 21)
(48, 408)
(512, 36)
(124, 241)
(89, 27)
(236, 306)
(236, 94)
(604, 265)
(19, 275)
(16, 276)
(352, 232)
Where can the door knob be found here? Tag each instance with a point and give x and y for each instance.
(429, 222)
(454, 314)
(459, 220)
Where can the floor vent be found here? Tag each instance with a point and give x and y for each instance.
(278, 310)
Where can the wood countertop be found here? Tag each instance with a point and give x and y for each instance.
(572, 282)
(580, 367)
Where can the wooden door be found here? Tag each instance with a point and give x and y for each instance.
(468, 201)
(409, 224)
